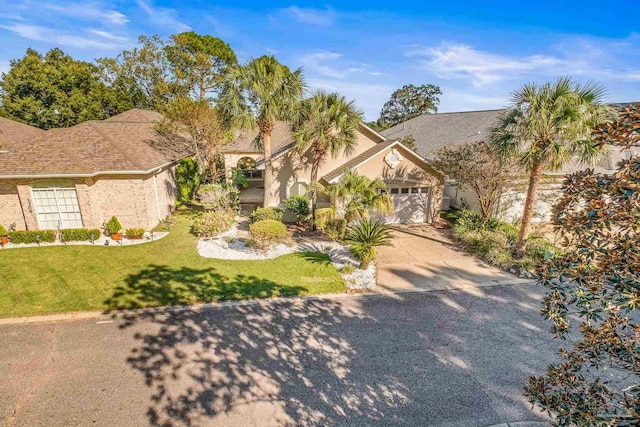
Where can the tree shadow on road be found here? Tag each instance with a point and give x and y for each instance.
(330, 362)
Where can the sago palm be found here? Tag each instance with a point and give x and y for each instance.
(353, 197)
(258, 94)
(546, 126)
(327, 125)
(364, 236)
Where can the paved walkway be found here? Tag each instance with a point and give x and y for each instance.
(424, 258)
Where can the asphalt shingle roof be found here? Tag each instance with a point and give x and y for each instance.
(122, 143)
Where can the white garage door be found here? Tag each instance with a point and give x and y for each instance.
(411, 205)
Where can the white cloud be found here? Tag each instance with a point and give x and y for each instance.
(449, 61)
(163, 17)
(61, 38)
(327, 63)
(323, 17)
(87, 11)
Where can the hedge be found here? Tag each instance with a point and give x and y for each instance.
(79, 234)
(32, 236)
(262, 214)
(268, 230)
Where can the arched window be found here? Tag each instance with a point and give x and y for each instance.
(246, 163)
(298, 189)
(248, 166)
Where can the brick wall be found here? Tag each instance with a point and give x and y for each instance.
(10, 207)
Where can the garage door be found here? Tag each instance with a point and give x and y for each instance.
(411, 205)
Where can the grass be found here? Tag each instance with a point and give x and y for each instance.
(166, 272)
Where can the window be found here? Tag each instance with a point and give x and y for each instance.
(298, 189)
(57, 207)
(414, 191)
(424, 190)
(404, 191)
(248, 166)
(394, 191)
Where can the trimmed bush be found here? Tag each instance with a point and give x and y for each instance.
(79, 234)
(3, 231)
(134, 232)
(113, 226)
(298, 206)
(187, 180)
(261, 214)
(216, 196)
(211, 223)
(268, 230)
(32, 236)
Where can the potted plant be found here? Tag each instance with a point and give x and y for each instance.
(113, 228)
(4, 239)
(135, 233)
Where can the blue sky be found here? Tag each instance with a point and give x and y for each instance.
(478, 52)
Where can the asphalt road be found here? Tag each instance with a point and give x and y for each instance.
(449, 358)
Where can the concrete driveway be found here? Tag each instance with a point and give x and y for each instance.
(423, 257)
(444, 358)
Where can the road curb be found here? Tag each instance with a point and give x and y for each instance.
(110, 315)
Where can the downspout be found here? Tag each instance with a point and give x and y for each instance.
(155, 193)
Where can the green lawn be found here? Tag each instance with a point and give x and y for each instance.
(167, 272)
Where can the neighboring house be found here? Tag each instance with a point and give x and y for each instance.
(432, 132)
(414, 185)
(83, 175)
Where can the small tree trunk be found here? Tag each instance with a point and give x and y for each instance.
(268, 172)
(529, 206)
(314, 194)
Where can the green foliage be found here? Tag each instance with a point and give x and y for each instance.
(143, 75)
(218, 197)
(353, 196)
(409, 141)
(261, 214)
(335, 229)
(592, 298)
(32, 236)
(408, 102)
(3, 231)
(364, 236)
(79, 234)
(348, 269)
(547, 126)
(134, 232)
(239, 179)
(187, 180)
(268, 231)
(54, 90)
(298, 206)
(476, 166)
(495, 242)
(213, 222)
(199, 62)
(113, 226)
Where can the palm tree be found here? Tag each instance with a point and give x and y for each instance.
(364, 236)
(545, 127)
(353, 197)
(259, 94)
(326, 124)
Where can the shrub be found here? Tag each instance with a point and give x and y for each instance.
(268, 231)
(211, 223)
(335, 230)
(32, 236)
(298, 206)
(348, 269)
(187, 180)
(79, 234)
(134, 232)
(215, 196)
(114, 226)
(3, 231)
(261, 214)
(364, 236)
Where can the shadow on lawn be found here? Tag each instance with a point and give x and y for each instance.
(159, 285)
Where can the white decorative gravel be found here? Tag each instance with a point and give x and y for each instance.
(157, 235)
(232, 248)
